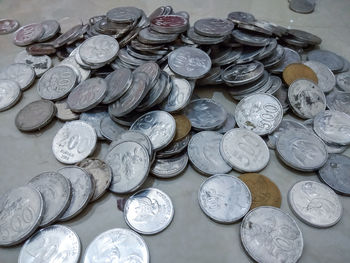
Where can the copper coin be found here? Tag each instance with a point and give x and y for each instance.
(183, 127)
(296, 71)
(264, 191)
(41, 49)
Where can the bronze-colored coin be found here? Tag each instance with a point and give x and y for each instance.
(183, 127)
(40, 49)
(296, 71)
(264, 191)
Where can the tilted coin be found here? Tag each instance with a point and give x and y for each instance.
(224, 198)
(64, 113)
(282, 96)
(40, 64)
(23, 74)
(50, 244)
(268, 50)
(41, 49)
(264, 191)
(326, 79)
(174, 148)
(275, 58)
(235, 75)
(28, 34)
(328, 58)
(149, 36)
(302, 6)
(261, 226)
(83, 187)
(203, 40)
(110, 129)
(75, 141)
(101, 173)
(213, 27)
(94, 118)
(289, 56)
(183, 127)
(121, 244)
(229, 124)
(297, 71)
(149, 211)
(8, 26)
(169, 167)
(51, 28)
(343, 81)
(10, 93)
(250, 39)
(339, 101)
(118, 82)
(244, 150)
(240, 17)
(23, 205)
(169, 24)
(73, 33)
(305, 36)
(241, 91)
(275, 86)
(82, 73)
(315, 204)
(124, 14)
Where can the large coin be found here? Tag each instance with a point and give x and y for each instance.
(8, 26)
(94, 118)
(328, 58)
(28, 34)
(51, 28)
(23, 74)
(51, 244)
(296, 71)
(23, 205)
(149, 211)
(110, 129)
(224, 198)
(343, 81)
(170, 167)
(326, 79)
(213, 27)
(269, 234)
(118, 82)
(40, 64)
(10, 93)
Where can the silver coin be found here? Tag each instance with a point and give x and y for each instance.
(339, 101)
(94, 118)
(40, 64)
(343, 81)
(75, 141)
(204, 153)
(100, 172)
(51, 28)
(244, 150)
(290, 56)
(10, 93)
(224, 198)
(326, 79)
(302, 6)
(148, 211)
(328, 58)
(302, 151)
(265, 232)
(110, 129)
(260, 113)
(23, 74)
(118, 82)
(240, 17)
(56, 191)
(159, 126)
(205, 114)
(229, 124)
(82, 73)
(124, 14)
(64, 113)
(174, 148)
(275, 58)
(83, 187)
(117, 244)
(28, 34)
(23, 205)
(213, 27)
(251, 87)
(306, 98)
(8, 26)
(282, 96)
(189, 62)
(275, 86)
(152, 70)
(333, 127)
(129, 162)
(236, 75)
(250, 39)
(55, 243)
(203, 40)
(170, 167)
(315, 204)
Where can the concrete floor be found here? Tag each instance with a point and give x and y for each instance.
(192, 237)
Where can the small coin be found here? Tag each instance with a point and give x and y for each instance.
(174, 148)
(183, 127)
(8, 26)
(118, 82)
(10, 93)
(51, 28)
(326, 79)
(328, 58)
(156, 211)
(110, 129)
(40, 64)
(343, 81)
(94, 118)
(170, 167)
(124, 14)
(28, 34)
(64, 113)
(297, 71)
(23, 74)
(240, 17)
(213, 27)
(339, 101)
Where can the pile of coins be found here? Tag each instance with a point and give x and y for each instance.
(129, 79)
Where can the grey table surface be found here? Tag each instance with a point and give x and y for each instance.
(191, 237)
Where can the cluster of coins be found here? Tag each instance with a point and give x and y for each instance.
(129, 79)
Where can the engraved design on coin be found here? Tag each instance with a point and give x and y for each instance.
(28, 34)
(167, 168)
(40, 64)
(10, 93)
(23, 74)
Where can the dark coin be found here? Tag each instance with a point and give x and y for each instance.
(213, 27)
(40, 49)
(51, 28)
(240, 17)
(169, 24)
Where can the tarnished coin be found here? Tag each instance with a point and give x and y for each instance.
(8, 26)
(244, 150)
(315, 204)
(183, 127)
(204, 153)
(56, 192)
(82, 73)
(260, 113)
(302, 6)
(23, 74)
(169, 24)
(35, 115)
(51, 28)
(40, 64)
(120, 244)
(306, 98)
(170, 167)
(28, 34)
(296, 71)
(75, 141)
(23, 205)
(118, 82)
(289, 56)
(129, 162)
(264, 225)
(213, 27)
(264, 191)
(302, 151)
(174, 148)
(41, 49)
(250, 39)
(224, 198)
(240, 17)
(189, 62)
(152, 70)
(149, 211)
(275, 58)
(241, 74)
(305, 36)
(343, 81)
(83, 187)
(101, 173)
(110, 129)
(328, 58)
(326, 79)
(72, 34)
(124, 14)
(10, 93)
(339, 101)
(50, 244)
(64, 113)
(94, 118)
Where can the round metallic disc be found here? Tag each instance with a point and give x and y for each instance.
(174, 148)
(169, 24)
(213, 27)
(41, 49)
(282, 96)
(149, 36)
(302, 6)
(23, 74)
(229, 124)
(75, 141)
(326, 79)
(28, 34)
(203, 40)
(83, 187)
(275, 58)
(261, 226)
(51, 28)
(236, 75)
(315, 204)
(343, 81)
(64, 113)
(94, 118)
(224, 198)
(339, 101)
(152, 70)
(82, 74)
(23, 205)
(8, 26)
(170, 167)
(296, 71)
(305, 36)
(328, 58)
(101, 173)
(183, 127)
(71, 34)
(124, 14)
(244, 150)
(50, 244)
(240, 17)
(120, 244)
(40, 64)
(148, 211)
(10, 93)
(204, 153)
(118, 82)
(110, 129)
(289, 56)
(250, 39)
(275, 86)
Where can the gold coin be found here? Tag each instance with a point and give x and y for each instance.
(296, 71)
(264, 191)
(183, 127)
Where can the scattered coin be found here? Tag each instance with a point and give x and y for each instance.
(296, 71)
(64, 113)
(94, 118)
(343, 81)
(174, 148)
(183, 127)
(51, 29)
(28, 34)
(8, 26)
(229, 124)
(213, 27)
(328, 58)
(118, 82)
(302, 6)
(40, 64)
(170, 167)
(326, 79)
(23, 74)
(236, 75)
(10, 93)
(339, 101)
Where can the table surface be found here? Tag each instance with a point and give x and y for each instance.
(192, 236)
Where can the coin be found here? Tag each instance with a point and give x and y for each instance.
(28, 34)
(339, 101)
(101, 174)
(240, 17)
(328, 58)
(250, 39)
(203, 40)
(229, 124)
(326, 79)
(73, 33)
(153, 206)
(64, 113)
(8, 26)
(343, 81)
(315, 204)
(149, 36)
(264, 224)
(110, 129)
(120, 244)
(241, 74)
(305, 36)
(40, 64)
(10, 93)
(75, 141)
(94, 118)
(51, 28)
(83, 188)
(124, 14)
(183, 127)
(244, 150)
(82, 74)
(41, 49)
(170, 167)
(118, 82)
(23, 74)
(289, 56)
(275, 58)
(169, 24)
(213, 27)
(52, 243)
(297, 71)
(23, 205)
(302, 6)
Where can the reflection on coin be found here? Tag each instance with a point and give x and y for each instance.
(118, 83)
(148, 211)
(326, 79)
(296, 71)
(174, 148)
(213, 27)
(110, 129)
(224, 198)
(40, 64)
(170, 167)
(290, 56)
(94, 118)
(51, 28)
(339, 101)
(10, 93)
(8, 26)
(64, 113)
(23, 74)
(328, 58)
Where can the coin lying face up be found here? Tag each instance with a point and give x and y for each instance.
(10, 93)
